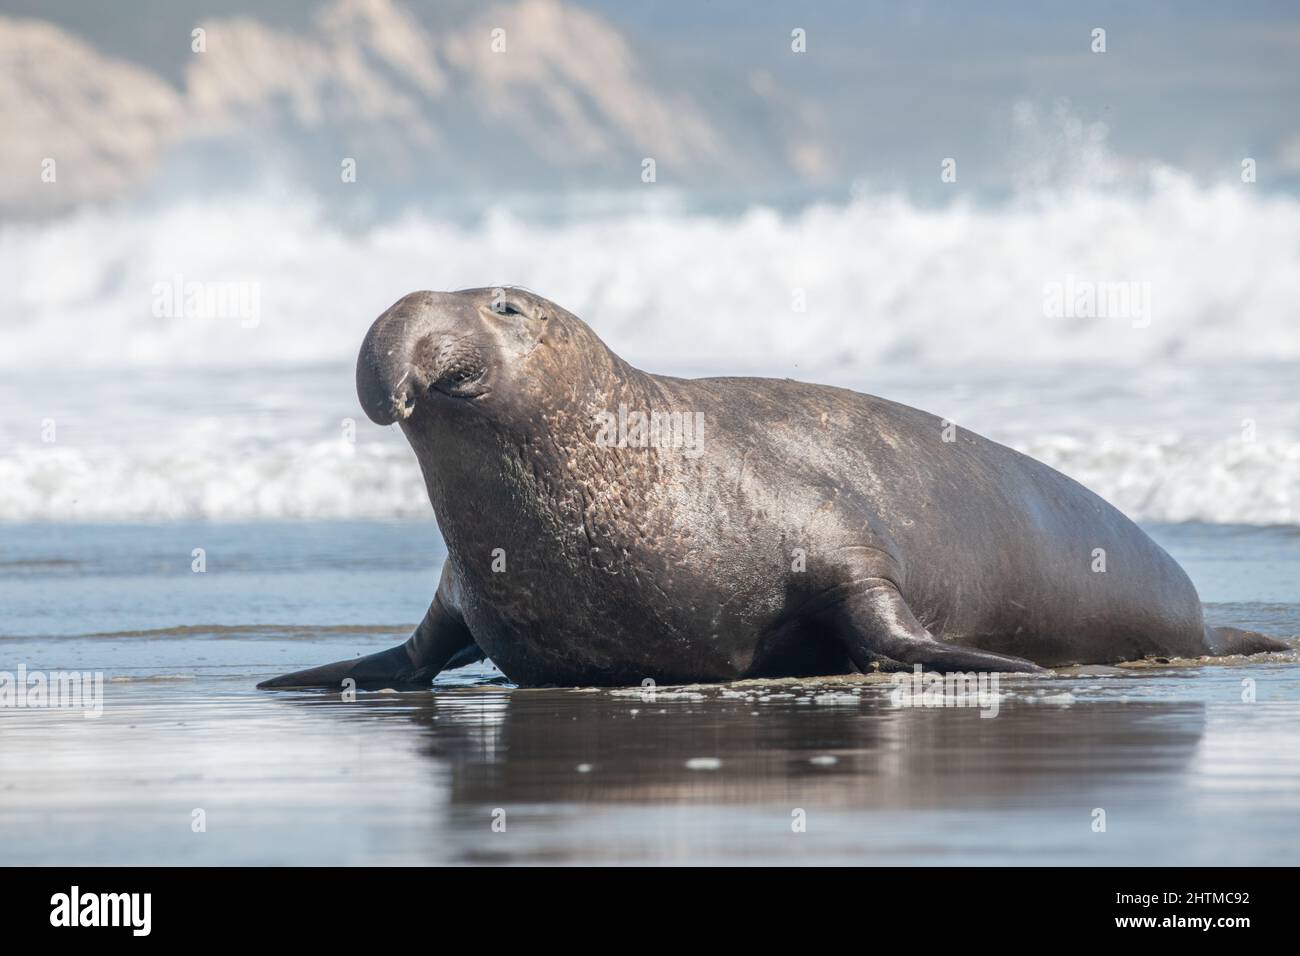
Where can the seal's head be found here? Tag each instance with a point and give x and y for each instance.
(473, 347)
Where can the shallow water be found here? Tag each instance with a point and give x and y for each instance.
(1185, 769)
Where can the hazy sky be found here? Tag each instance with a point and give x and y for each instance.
(1195, 84)
(895, 87)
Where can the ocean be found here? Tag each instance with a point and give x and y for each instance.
(126, 398)
(146, 432)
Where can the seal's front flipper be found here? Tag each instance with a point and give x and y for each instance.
(391, 668)
(877, 626)
(441, 638)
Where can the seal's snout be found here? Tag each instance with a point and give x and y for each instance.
(388, 383)
(430, 343)
(384, 396)
(403, 402)
(387, 397)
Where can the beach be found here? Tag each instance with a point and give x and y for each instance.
(474, 770)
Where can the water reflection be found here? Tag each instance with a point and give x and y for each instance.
(1184, 770)
(595, 775)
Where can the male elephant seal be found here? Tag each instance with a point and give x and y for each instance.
(773, 528)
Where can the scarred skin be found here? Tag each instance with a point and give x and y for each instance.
(812, 530)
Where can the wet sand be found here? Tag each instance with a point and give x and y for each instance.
(1185, 771)
(1184, 768)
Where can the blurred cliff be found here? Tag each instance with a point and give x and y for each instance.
(417, 103)
(416, 92)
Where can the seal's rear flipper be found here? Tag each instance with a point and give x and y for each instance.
(1223, 641)
(471, 654)
(441, 639)
(876, 625)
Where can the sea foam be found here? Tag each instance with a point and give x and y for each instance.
(175, 412)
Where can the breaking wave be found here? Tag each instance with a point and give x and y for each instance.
(877, 279)
(167, 408)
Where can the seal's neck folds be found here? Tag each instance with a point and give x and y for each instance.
(569, 469)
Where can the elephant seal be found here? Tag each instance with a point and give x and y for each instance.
(605, 525)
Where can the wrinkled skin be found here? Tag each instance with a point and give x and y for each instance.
(819, 530)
